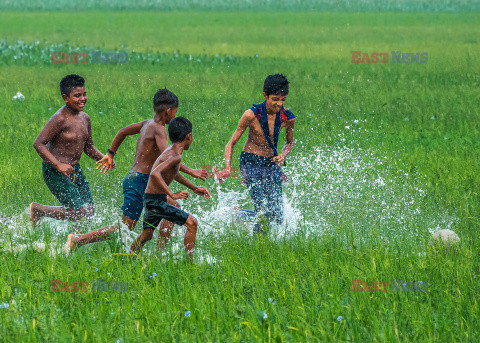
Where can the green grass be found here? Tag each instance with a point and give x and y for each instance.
(232, 5)
(370, 170)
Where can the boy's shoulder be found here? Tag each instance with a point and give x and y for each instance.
(249, 114)
(153, 125)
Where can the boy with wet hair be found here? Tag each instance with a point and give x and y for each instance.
(152, 141)
(259, 161)
(61, 143)
(164, 171)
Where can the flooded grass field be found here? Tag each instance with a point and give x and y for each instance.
(386, 154)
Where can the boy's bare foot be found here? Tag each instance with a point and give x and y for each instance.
(69, 246)
(34, 215)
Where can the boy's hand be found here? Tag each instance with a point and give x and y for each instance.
(202, 191)
(66, 169)
(180, 195)
(106, 163)
(279, 160)
(222, 174)
(199, 174)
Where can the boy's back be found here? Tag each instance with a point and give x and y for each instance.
(152, 141)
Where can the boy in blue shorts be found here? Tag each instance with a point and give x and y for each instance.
(259, 161)
(164, 171)
(61, 143)
(152, 141)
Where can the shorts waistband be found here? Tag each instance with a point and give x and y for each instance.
(131, 171)
(46, 164)
(155, 196)
(247, 158)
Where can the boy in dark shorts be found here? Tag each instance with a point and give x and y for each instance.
(61, 143)
(164, 171)
(259, 161)
(152, 141)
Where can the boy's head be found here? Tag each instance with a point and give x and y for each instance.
(275, 91)
(72, 88)
(179, 130)
(165, 101)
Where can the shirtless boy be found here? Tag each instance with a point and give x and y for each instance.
(259, 161)
(61, 143)
(164, 171)
(152, 141)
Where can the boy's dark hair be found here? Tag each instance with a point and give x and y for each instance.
(276, 84)
(178, 129)
(164, 99)
(69, 82)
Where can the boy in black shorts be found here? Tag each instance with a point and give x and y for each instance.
(164, 171)
(152, 141)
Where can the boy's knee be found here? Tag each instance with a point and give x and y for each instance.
(85, 211)
(147, 235)
(76, 214)
(192, 223)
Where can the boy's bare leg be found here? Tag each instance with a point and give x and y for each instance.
(104, 233)
(143, 238)
(76, 241)
(190, 235)
(38, 211)
(34, 214)
(166, 228)
(164, 233)
(129, 222)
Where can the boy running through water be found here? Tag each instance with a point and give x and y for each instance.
(61, 143)
(152, 141)
(164, 171)
(259, 161)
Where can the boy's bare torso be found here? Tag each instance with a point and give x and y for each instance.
(168, 174)
(72, 132)
(147, 146)
(257, 142)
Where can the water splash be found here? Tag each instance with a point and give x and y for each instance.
(331, 187)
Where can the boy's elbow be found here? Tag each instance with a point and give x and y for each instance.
(230, 145)
(121, 132)
(36, 145)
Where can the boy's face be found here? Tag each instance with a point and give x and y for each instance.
(189, 140)
(170, 114)
(274, 102)
(77, 99)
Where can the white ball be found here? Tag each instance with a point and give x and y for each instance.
(446, 237)
(19, 96)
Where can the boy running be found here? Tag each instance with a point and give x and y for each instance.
(164, 171)
(152, 141)
(61, 143)
(259, 161)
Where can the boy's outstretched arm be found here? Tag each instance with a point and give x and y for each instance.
(197, 173)
(89, 148)
(197, 190)
(245, 122)
(107, 163)
(51, 129)
(287, 148)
